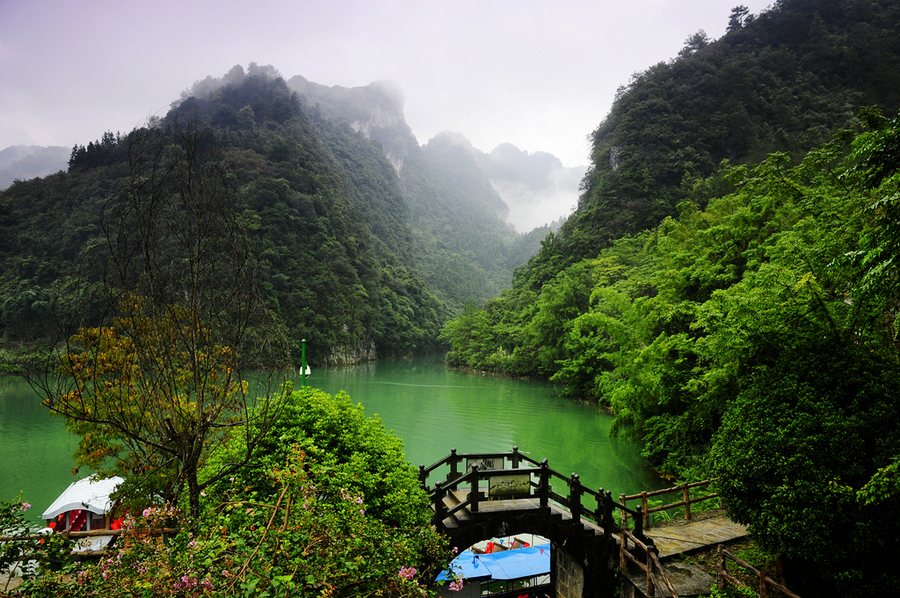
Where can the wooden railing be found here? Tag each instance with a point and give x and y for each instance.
(764, 580)
(92, 534)
(526, 478)
(651, 565)
(685, 502)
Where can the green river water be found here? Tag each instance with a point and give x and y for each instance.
(432, 408)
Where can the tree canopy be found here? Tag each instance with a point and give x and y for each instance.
(755, 339)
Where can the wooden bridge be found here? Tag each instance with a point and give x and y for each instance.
(485, 495)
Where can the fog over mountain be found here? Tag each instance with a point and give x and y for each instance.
(536, 186)
(30, 161)
(539, 75)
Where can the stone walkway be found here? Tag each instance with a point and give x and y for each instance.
(679, 537)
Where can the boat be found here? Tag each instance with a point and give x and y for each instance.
(523, 571)
(85, 506)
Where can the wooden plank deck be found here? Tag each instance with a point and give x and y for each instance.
(678, 537)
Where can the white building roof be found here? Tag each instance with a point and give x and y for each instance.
(87, 493)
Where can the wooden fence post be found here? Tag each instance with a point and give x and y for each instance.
(687, 502)
(646, 509)
(575, 498)
(454, 462)
(515, 457)
(544, 489)
(474, 493)
(720, 567)
(623, 514)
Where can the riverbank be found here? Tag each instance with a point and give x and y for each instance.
(14, 358)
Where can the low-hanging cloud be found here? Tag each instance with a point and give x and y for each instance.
(536, 186)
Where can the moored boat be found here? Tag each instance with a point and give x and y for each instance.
(85, 506)
(518, 572)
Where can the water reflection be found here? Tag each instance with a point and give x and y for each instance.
(432, 408)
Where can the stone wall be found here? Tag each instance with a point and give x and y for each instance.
(569, 575)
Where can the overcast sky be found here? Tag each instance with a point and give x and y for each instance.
(538, 74)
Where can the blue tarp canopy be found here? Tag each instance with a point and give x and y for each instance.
(518, 563)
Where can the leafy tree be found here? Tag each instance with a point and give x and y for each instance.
(694, 43)
(737, 18)
(816, 423)
(306, 534)
(359, 454)
(159, 381)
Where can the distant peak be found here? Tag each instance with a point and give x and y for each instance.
(391, 90)
(453, 138)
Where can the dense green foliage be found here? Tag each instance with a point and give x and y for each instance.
(463, 248)
(755, 338)
(782, 80)
(323, 204)
(358, 453)
(799, 440)
(329, 508)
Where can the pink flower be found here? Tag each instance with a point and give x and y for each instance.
(25, 506)
(456, 586)
(407, 572)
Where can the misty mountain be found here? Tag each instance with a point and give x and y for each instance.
(365, 252)
(29, 161)
(465, 250)
(368, 241)
(776, 84)
(533, 185)
(337, 273)
(530, 184)
(375, 110)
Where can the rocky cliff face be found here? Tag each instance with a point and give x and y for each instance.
(375, 110)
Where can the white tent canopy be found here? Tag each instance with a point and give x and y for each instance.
(88, 493)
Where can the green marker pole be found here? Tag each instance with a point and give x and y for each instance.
(303, 363)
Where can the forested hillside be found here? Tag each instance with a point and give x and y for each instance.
(739, 318)
(782, 80)
(668, 144)
(323, 204)
(464, 249)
